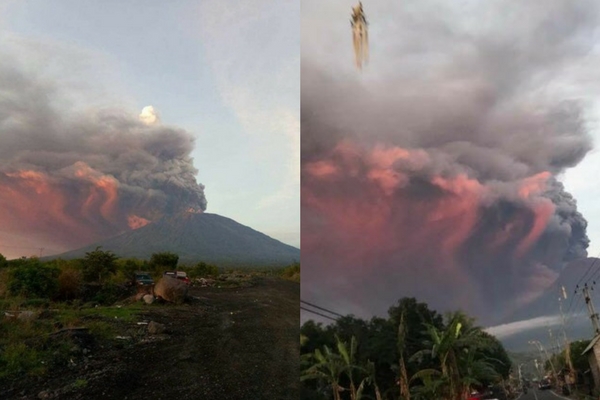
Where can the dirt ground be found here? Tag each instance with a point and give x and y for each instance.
(236, 343)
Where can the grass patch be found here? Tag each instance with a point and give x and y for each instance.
(72, 316)
(80, 384)
(18, 359)
(28, 349)
(101, 330)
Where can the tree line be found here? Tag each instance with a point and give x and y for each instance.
(415, 353)
(99, 276)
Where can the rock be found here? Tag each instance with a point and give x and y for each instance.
(43, 395)
(171, 290)
(148, 299)
(154, 328)
(139, 296)
(27, 316)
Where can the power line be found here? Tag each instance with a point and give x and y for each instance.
(321, 308)
(581, 280)
(588, 271)
(318, 313)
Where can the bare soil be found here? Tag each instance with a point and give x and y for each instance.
(226, 343)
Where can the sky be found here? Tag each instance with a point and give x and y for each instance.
(458, 165)
(223, 78)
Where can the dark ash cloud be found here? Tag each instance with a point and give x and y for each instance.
(72, 176)
(436, 174)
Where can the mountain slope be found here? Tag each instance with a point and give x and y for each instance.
(570, 276)
(578, 324)
(198, 237)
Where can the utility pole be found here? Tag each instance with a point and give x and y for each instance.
(520, 376)
(572, 375)
(543, 352)
(591, 310)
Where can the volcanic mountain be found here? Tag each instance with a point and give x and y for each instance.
(198, 237)
(542, 317)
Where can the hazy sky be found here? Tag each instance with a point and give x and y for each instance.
(470, 83)
(225, 71)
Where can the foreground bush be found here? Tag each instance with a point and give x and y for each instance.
(34, 279)
(69, 284)
(203, 269)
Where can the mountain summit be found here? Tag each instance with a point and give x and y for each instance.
(197, 237)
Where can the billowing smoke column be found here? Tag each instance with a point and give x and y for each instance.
(70, 178)
(441, 182)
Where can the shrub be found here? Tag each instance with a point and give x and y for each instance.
(33, 279)
(291, 273)
(69, 284)
(164, 260)
(203, 269)
(109, 294)
(18, 358)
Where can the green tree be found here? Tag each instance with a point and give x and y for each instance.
(98, 265)
(129, 266)
(3, 262)
(580, 362)
(164, 260)
(203, 269)
(494, 352)
(417, 354)
(33, 279)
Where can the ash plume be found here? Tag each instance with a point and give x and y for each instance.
(72, 177)
(442, 181)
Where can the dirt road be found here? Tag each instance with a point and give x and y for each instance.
(226, 344)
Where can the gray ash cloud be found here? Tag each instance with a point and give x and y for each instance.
(84, 174)
(483, 102)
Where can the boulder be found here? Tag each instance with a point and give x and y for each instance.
(171, 290)
(148, 299)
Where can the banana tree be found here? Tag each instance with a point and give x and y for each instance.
(445, 347)
(432, 385)
(352, 367)
(326, 366)
(403, 378)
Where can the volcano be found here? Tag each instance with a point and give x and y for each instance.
(197, 237)
(577, 323)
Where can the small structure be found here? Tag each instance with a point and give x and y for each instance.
(593, 353)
